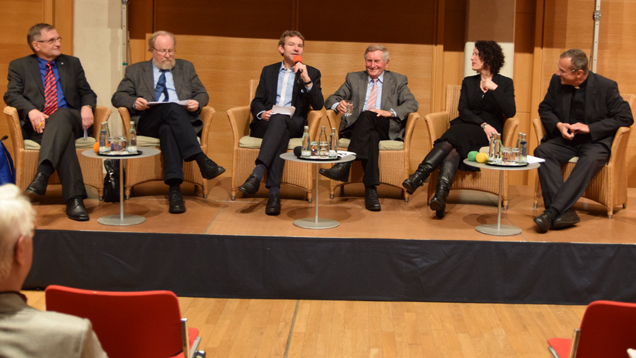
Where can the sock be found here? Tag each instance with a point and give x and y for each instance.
(46, 168)
(201, 158)
(553, 211)
(174, 184)
(274, 190)
(259, 171)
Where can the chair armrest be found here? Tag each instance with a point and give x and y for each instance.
(411, 120)
(207, 115)
(240, 118)
(509, 131)
(436, 123)
(314, 118)
(538, 129)
(101, 115)
(125, 118)
(15, 130)
(619, 145)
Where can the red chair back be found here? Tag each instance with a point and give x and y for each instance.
(607, 330)
(128, 324)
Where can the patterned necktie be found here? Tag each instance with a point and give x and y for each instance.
(161, 87)
(50, 90)
(373, 95)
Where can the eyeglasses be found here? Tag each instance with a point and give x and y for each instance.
(163, 52)
(562, 71)
(51, 41)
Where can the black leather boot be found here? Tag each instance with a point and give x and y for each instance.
(430, 162)
(447, 172)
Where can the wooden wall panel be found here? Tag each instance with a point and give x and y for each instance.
(226, 73)
(245, 18)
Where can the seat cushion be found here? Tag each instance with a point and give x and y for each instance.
(255, 143)
(384, 144)
(80, 143)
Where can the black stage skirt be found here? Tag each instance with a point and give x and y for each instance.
(465, 138)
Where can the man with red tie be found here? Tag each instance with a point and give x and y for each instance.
(55, 104)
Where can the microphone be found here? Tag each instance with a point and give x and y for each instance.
(298, 58)
(297, 151)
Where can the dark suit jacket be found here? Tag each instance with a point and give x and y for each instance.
(25, 91)
(605, 109)
(265, 96)
(495, 106)
(138, 82)
(395, 95)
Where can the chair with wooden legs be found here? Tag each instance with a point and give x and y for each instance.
(151, 168)
(246, 149)
(484, 180)
(26, 151)
(393, 160)
(609, 185)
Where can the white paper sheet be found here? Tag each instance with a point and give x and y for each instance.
(283, 110)
(181, 103)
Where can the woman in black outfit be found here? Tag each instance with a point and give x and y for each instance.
(486, 100)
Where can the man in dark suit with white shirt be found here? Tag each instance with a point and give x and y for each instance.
(55, 104)
(290, 83)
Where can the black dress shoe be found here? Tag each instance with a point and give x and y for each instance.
(177, 205)
(339, 172)
(565, 220)
(251, 185)
(38, 185)
(273, 205)
(371, 201)
(75, 209)
(209, 170)
(544, 222)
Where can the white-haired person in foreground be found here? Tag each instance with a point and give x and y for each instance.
(25, 331)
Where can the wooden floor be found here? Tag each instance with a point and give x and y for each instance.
(398, 219)
(289, 328)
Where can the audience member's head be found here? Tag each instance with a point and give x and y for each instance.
(491, 54)
(17, 219)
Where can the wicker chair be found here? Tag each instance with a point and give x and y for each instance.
(26, 152)
(151, 168)
(485, 180)
(609, 185)
(393, 160)
(246, 149)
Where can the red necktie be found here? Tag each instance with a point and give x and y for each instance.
(372, 96)
(50, 91)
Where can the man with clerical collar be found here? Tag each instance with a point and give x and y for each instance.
(25, 331)
(381, 103)
(170, 80)
(55, 104)
(581, 113)
(290, 83)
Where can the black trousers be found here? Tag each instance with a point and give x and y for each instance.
(178, 139)
(366, 133)
(276, 133)
(57, 145)
(559, 194)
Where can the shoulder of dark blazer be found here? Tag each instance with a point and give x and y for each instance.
(501, 79)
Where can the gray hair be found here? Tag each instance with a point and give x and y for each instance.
(376, 47)
(17, 218)
(153, 38)
(578, 58)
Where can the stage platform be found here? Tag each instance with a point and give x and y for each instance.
(225, 248)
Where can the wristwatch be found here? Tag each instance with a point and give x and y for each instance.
(483, 125)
